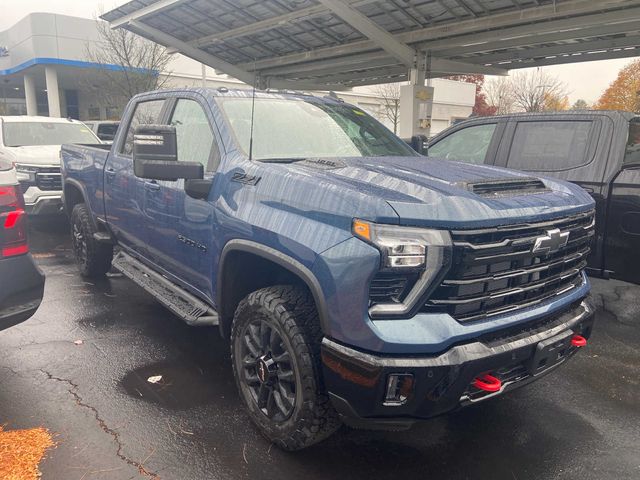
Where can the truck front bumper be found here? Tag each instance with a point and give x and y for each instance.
(358, 382)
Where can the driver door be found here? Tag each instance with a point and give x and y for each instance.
(476, 144)
(180, 228)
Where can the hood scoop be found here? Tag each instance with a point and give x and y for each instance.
(324, 163)
(507, 187)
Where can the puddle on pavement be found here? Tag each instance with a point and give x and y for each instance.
(181, 387)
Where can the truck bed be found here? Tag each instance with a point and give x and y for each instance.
(83, 167)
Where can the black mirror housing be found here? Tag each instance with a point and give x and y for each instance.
(155, 142)
(198, 189)
(420, 144)
(172, 171)
(155, 155)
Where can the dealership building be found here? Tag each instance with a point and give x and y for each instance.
(45, 69)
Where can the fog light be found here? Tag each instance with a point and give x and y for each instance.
(399, 389)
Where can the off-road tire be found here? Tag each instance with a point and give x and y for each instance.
(291, 311)
(93, 258)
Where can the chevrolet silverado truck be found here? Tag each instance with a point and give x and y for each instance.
(355, 280)
(598, 150)
(32, 145)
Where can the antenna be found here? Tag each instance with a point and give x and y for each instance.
(253, 110)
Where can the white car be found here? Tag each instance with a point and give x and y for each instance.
(32, 145)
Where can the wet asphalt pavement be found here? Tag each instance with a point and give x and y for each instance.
(580, 422)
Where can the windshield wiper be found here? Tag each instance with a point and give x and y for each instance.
(281, 160)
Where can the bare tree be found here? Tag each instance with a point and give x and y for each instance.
(389, 93)
(533, 89)
(139, 64)
(499, 94)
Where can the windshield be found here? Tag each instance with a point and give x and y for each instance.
(19, 134)
(298, 128)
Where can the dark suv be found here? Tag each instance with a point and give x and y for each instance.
(598, 150)
(21, 281)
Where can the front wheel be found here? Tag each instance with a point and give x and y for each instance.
(275, 349)
(92, 257)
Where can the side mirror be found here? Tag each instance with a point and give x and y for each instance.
(420, 144)
(198, 189)
(155, 155)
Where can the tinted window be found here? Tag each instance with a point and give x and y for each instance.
(193, 133)
(550, 146)
(467, 145)
(291, 128)
(18, 134)
(632, 154)
(107, 131)
(145, 113)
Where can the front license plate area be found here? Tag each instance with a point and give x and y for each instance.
(550, 352)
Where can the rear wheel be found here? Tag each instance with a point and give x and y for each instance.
(276, 361)
(92, 257)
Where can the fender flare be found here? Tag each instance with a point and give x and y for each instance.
(283, 260)
(76, 184)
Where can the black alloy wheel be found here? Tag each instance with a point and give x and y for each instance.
(268, 371)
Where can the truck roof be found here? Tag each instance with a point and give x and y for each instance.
(608, 113)
(248, 92)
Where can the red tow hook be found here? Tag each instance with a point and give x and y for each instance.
(578, 341)
(488, 383)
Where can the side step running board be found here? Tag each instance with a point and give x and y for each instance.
(191, 309)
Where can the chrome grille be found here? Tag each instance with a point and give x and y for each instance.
(495, 270)
(49, 178)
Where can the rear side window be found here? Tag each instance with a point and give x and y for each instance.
(632, 153)
(550, 146)
(145, 113)
(467, 145)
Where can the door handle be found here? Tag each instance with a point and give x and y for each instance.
(152, 185)
(110, 172)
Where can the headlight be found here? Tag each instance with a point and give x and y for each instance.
(25, 174)
(419, 255)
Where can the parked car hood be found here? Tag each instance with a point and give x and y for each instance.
(35, 154)
(425, 191)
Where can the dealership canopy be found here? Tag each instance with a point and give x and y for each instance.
(340, 44)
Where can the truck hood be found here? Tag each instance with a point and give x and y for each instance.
(425, 191)
(45, 155)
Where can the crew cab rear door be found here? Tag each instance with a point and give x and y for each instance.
(124, 192)
(572, 147)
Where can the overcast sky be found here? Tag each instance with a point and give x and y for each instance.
(585, 80)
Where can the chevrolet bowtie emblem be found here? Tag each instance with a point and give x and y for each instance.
(553, 241)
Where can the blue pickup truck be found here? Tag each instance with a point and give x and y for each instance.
(355, 280)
